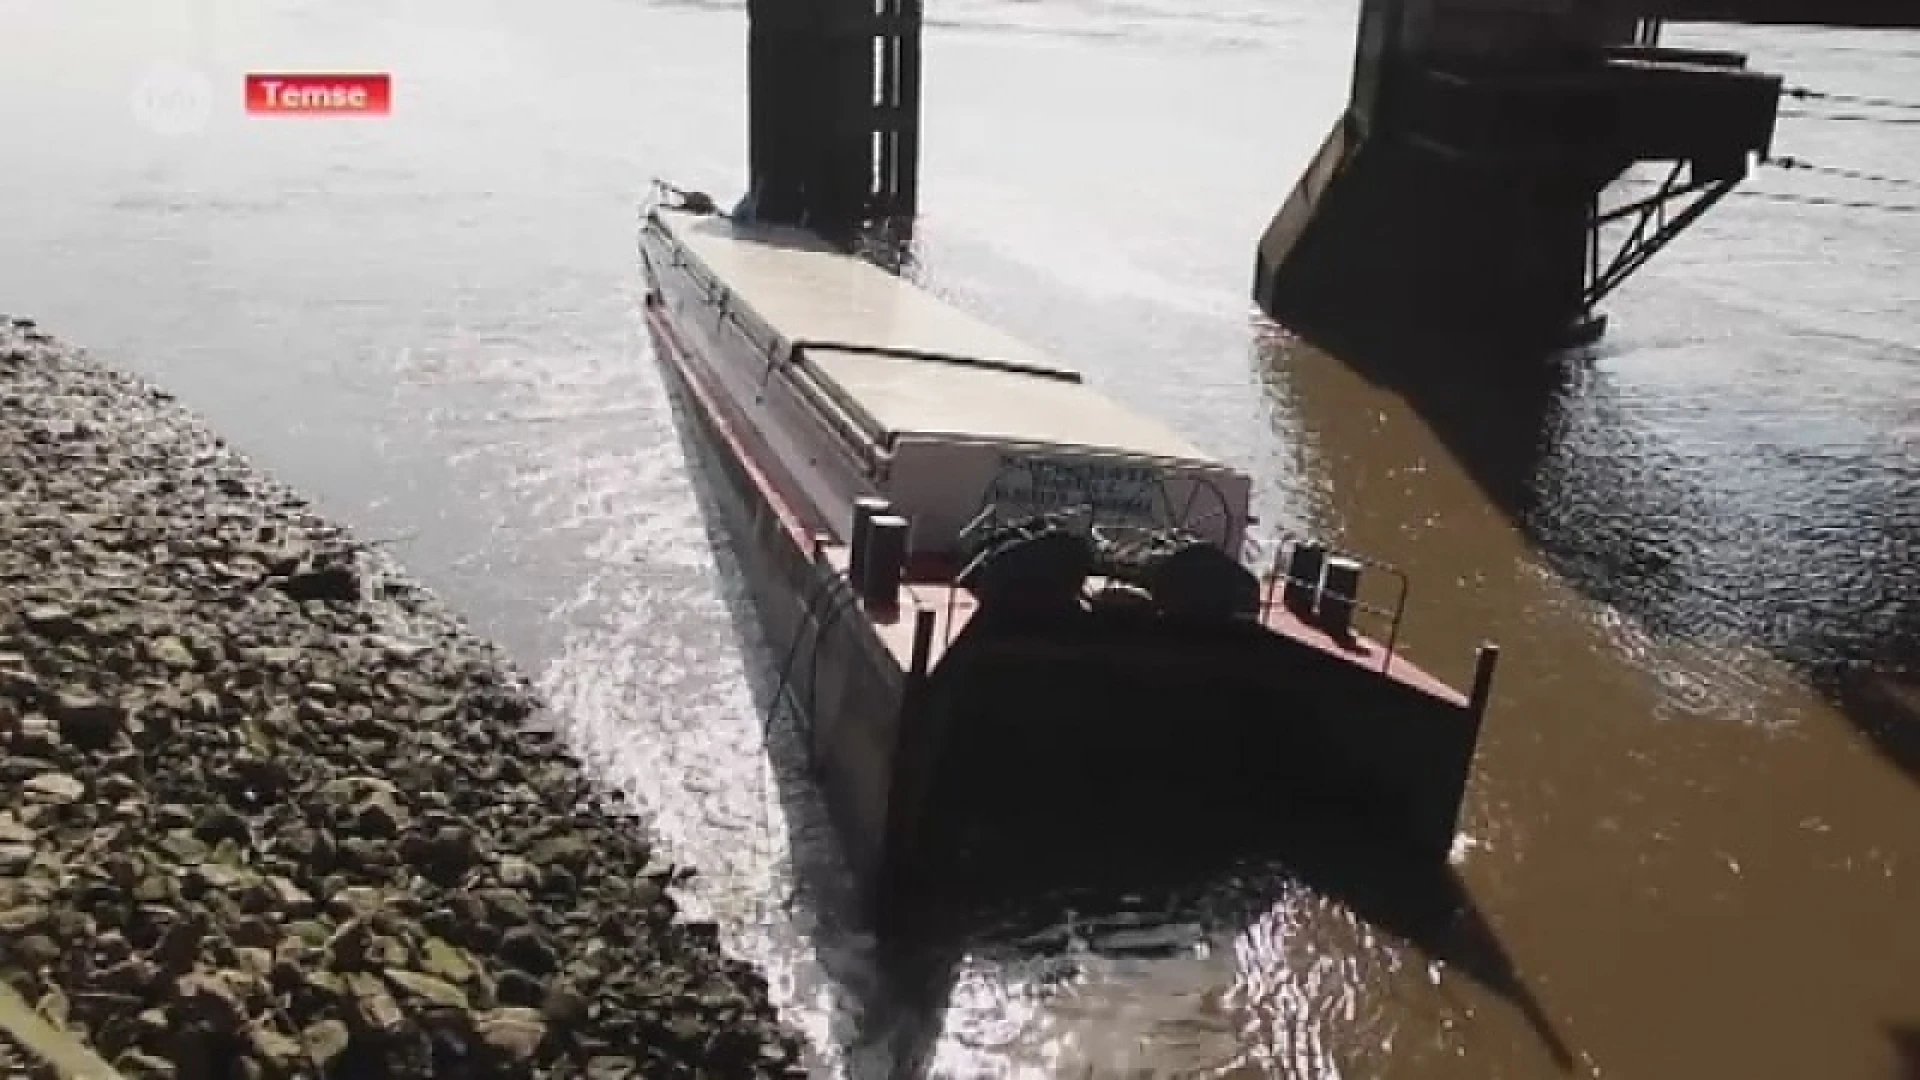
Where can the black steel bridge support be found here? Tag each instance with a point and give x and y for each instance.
(1462, 200)
(833, 112)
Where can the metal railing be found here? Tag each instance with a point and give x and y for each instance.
(1273, 584)
(1273, 588)
(1278, 577)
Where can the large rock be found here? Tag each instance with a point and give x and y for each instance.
(53, 787)
(515, 1035)
(368, 802)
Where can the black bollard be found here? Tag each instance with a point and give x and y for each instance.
(1300, 593)
(886, 560)
(865, 509)
(1339, 592)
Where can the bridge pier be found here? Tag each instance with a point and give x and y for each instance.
(1459, 199)
(833, 112)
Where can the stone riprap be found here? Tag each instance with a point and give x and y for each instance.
(269, 810)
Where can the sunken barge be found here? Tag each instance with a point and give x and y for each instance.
(1017, 617)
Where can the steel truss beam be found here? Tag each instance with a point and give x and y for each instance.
(1655, 225)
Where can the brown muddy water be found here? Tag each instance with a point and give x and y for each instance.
(1693, 846)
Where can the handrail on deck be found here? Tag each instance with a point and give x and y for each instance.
(1271, 597)
(1395, 616)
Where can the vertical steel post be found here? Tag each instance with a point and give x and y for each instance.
(1485, 661)
(923, 619)
(834, 111)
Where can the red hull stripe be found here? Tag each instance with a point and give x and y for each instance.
(674, 351)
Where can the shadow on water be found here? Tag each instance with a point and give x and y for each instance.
(1906, 1047)
(894, 992)
(1882, 695)
(1555, 445)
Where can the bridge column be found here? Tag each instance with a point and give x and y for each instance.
(833, 111)
(1458, 199)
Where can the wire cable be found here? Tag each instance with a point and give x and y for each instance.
(831, 597)
(1806, 93)
(1802, 165)
(810, 611)
(1863, 118)
(1822, 200)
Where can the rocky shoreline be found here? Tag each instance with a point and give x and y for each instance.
(267, 810)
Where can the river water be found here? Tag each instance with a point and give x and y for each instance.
(1693, 844)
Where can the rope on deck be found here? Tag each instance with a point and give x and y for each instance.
(25, 1032)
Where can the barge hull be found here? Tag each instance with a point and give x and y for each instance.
(840, 681)
(960, 747)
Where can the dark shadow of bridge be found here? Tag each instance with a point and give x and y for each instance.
(1549, 442)
(1906, 1047)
